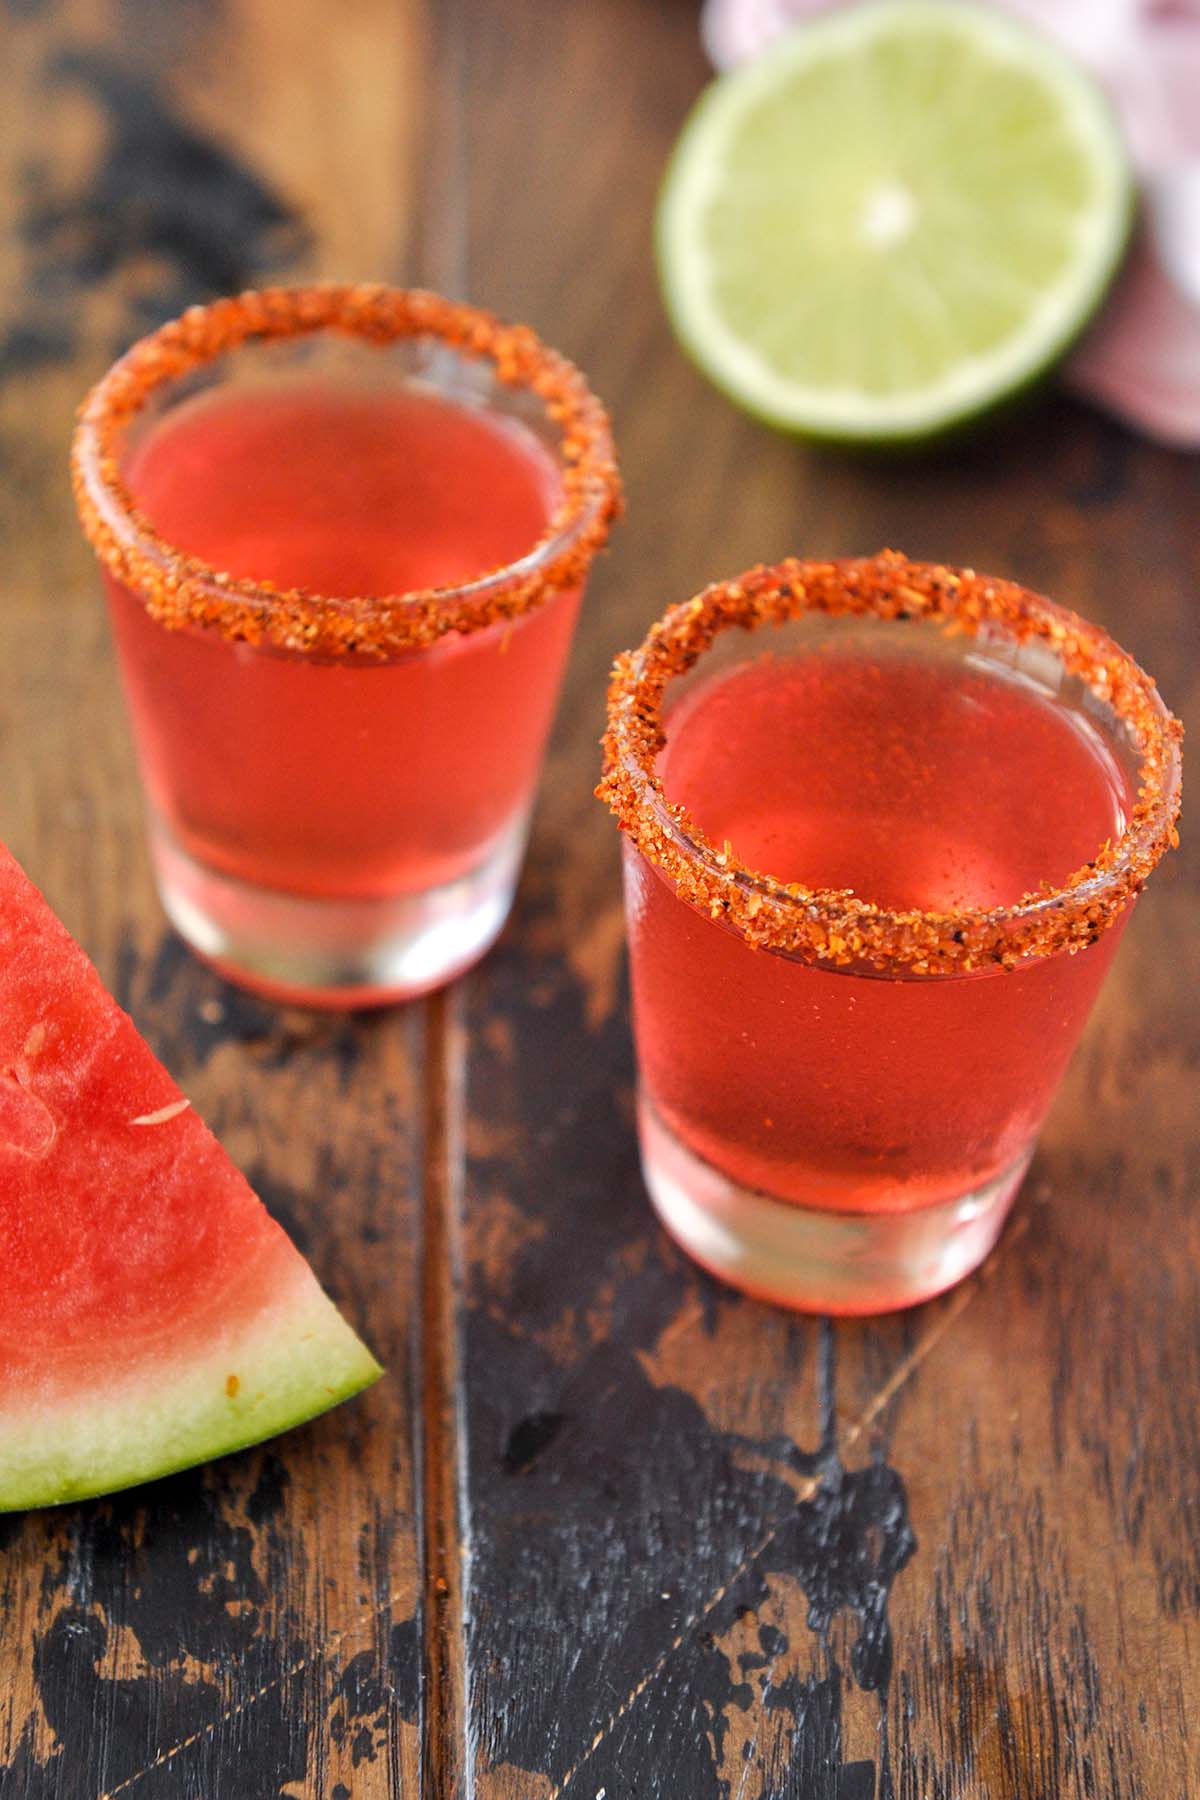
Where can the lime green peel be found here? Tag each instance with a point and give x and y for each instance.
(900, 215)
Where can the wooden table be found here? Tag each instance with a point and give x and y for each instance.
(606, 1531)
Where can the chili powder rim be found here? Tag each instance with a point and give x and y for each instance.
(836, 926)
(181, 590)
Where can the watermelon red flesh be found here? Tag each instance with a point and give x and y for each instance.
(152, 1314)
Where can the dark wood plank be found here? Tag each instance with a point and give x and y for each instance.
(669, 1567)
(250, 1629)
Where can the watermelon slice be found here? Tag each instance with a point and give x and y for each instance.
(152, 1314)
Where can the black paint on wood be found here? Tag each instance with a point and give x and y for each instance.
(163, 196)
(528, 1438)
(616, 1536)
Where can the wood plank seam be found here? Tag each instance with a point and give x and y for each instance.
(446, 1762)
(904, 1370)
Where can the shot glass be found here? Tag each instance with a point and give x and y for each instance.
(881, 841)
(344, 533)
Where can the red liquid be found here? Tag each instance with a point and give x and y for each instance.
(340, 778)
(915, 783)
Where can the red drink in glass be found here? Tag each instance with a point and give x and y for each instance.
(338, 784)
(365, 781)
(897, 778)
(839, 1099)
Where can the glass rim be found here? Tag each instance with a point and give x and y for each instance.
(834, 926)
(183, 590)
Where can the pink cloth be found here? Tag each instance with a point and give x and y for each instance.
(1142, 358)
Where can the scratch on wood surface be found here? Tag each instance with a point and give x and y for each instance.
(805, 1490)
(335, 1640)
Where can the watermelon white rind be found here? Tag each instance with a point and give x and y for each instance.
(297, 1359)
(152, 1314)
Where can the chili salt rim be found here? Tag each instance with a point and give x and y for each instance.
(836, 926)
(178, 589)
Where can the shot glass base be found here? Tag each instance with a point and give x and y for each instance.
(337, 953)
(811, 1259)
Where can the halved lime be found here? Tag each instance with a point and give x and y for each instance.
(900, 214)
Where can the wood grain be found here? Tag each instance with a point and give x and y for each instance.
(636, 1522)
(658, 1540)
(250, 1629)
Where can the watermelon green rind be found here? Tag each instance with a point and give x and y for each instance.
(296, 1360)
